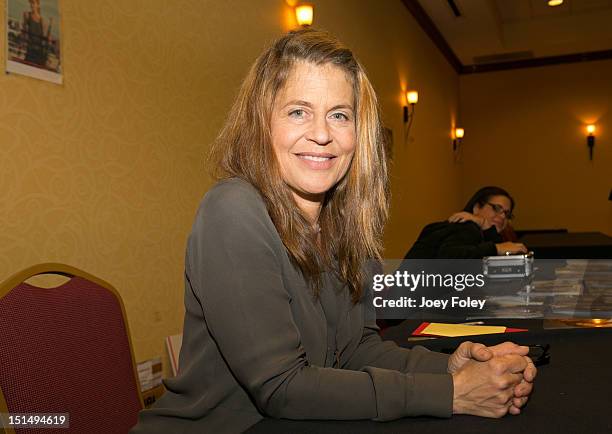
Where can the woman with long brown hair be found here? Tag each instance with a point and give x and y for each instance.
(278, 320)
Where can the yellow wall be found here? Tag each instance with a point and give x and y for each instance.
(106, 171)
(525, 131)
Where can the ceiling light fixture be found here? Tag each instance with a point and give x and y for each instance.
(554, 3)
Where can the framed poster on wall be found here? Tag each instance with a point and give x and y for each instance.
(33, 39)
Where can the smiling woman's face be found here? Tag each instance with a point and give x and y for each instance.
(313, 129)
(496, 210)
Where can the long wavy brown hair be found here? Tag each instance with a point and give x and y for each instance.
(355, 210)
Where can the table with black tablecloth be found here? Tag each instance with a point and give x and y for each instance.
(569, 245)
(572, 394)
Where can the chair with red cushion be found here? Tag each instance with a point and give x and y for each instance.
(67, 349)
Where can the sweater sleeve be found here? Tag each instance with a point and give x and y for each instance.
(234, 267)
(373, 351)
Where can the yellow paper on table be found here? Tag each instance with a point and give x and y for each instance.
(454, 330)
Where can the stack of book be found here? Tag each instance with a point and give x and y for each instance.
(595, 300)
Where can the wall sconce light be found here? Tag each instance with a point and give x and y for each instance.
(591, 140)
(459, 133)
(412, 97)
(304, 13)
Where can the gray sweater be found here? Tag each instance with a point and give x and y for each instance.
(256, 342)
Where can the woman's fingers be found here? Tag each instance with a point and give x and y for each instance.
(523, 389)
(510, 363)
(520, 402)
(508, 347)
(479, 352)
(460, 217)
(513, 410)
(530, 371)
(493, 387)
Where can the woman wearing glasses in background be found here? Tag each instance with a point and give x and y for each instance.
(476, 232)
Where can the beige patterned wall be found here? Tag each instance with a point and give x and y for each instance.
(105, 172)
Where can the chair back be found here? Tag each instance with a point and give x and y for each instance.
(67, 349)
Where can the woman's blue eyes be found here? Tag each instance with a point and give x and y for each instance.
(299, 113)
(340, 116)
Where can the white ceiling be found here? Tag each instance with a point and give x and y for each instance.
(521, 29)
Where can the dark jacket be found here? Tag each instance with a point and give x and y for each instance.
(444, 240)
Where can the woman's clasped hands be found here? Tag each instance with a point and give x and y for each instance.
(491, 381)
